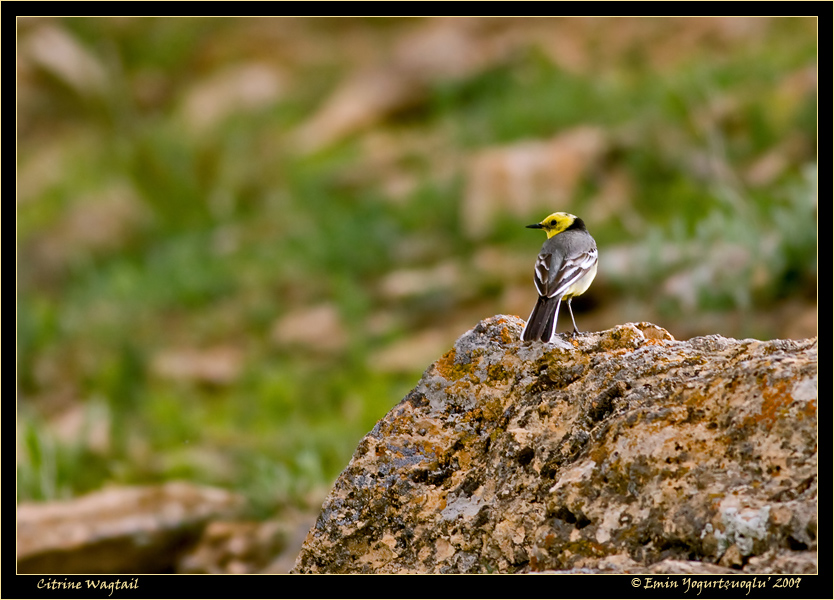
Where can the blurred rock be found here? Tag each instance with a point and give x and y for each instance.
(604, 44)
(617, 451)
(777, 562)
(623, 563)
(235, 547)
(502, 264)
(434, 50)
(296, 526)
(529, 177)
(452, 48)
(58, 52)
(363, 100)
(318, 328)
(685, 567)
(219, 365)
(775, 162)
(411, 354)
(87, 424)
(94, 224)
(403, 283)
(799, 319)
(397, 73)
(614, 200)
(118, 530)
(242, 88)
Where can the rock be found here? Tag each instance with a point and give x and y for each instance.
(245, 87)
(235, 547)
(59, 53)
(217, 365)
(434, 52)
(118, 530)
(527, 176)
(317, 328)
(617, 451)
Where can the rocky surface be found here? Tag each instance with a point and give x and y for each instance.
(617, 451)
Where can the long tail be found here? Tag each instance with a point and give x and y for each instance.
(542, 321)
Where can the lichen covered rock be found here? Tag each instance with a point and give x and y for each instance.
(617, 451)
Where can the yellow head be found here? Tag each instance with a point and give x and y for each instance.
(555, 223)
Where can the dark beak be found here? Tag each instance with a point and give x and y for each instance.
(535, 226)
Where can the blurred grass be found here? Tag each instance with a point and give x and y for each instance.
(141, 233)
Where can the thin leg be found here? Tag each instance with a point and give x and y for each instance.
(575, 330)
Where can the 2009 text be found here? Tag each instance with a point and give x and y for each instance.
(787, 582)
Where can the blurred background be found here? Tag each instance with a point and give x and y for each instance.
(241, 241)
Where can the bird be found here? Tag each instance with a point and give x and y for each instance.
(565, 268)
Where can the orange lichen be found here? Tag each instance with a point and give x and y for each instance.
(506, 336)
(460, 388)
(810, 409)
(448, 369)
(776, 402)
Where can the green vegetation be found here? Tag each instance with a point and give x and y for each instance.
(169, 220)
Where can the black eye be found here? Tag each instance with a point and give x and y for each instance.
(553, 223)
